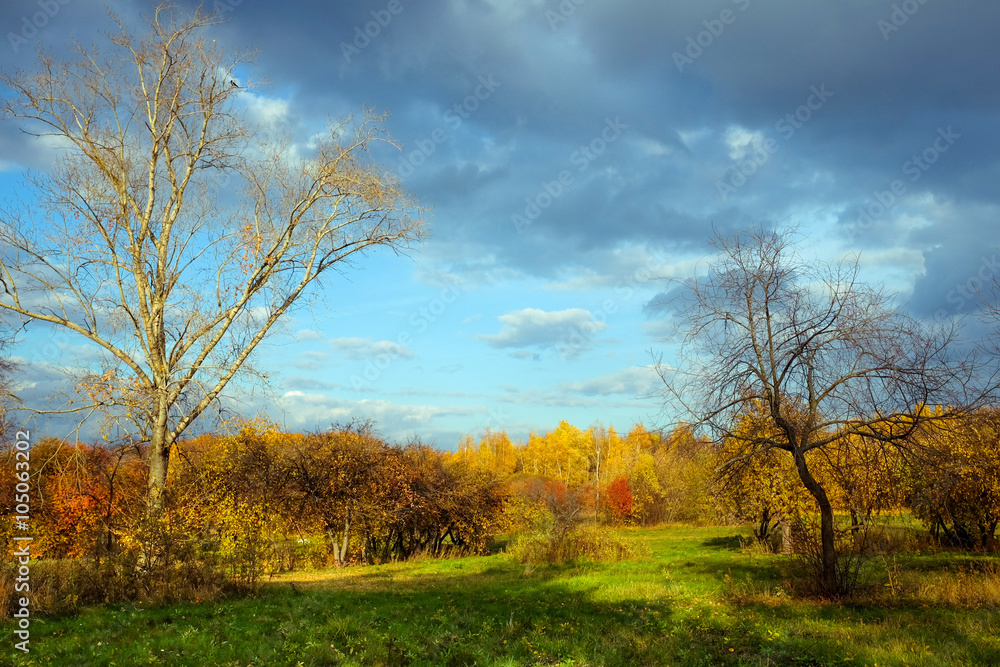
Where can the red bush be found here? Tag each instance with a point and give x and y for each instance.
(619, 499)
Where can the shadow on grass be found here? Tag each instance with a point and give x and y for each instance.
(728, 543)
(435, 619)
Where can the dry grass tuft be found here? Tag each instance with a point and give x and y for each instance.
(589, 543)
(62, 586)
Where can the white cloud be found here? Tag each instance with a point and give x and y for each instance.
(635, 381)
(562, 399)
(450, 265)
(568, 330)
(894, 259)
(690, 137)
(654, 148)
(740, 142)
(624, 268)
(364, 348)
(507, 11)
(317, 411)
(266, 111)
(308, 334)
(307, 383)
(310, 359)
(659, 330)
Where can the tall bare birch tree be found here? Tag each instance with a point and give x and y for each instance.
(137, 244)
(824, 355)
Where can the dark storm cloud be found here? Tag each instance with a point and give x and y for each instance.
(25, 27)
(743, 98)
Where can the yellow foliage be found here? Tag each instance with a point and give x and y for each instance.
(646, 490)
(955, 479)
(864, 476)
(760, 482)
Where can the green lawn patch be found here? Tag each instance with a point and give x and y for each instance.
(700, 599)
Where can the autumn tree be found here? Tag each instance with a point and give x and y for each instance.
(826, 355)
(866, 476)
(349, 482)
(380, 502)
(647, 494)
(495, 452)
(450, 507)
(954, 479)
(566, 454)
(135, 245)
(82, 493)
(559, 454)
(565, 507)
(597, 454)
(619, 500)
(684, 465)
(760, 487)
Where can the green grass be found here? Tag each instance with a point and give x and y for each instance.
(699, 600)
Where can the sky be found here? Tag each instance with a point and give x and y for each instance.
(574, 156)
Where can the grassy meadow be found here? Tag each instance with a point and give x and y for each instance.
(699, 597)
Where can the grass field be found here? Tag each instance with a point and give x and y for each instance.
(700, 599)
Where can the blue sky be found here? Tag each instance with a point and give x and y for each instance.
(573, 153)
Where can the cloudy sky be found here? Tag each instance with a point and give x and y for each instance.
(573, 153)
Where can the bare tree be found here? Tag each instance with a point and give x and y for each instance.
(173, 233)
(826, 355)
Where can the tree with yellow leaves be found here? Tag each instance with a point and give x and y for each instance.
(566, 447)
(684, 466)
(954, 479)
(866, 477)
(495, 452)
(759, 483)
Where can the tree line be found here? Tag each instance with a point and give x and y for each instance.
(368, 501)
(243, 494)
(248, 503)
(946, 473)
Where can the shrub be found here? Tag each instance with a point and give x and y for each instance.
(955, 481)
(61, 586)
(855, 547)
(585, 542)
(619, 500)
